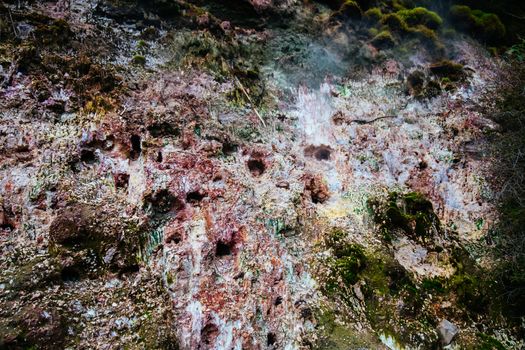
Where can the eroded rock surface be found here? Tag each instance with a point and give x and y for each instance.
(241, 175)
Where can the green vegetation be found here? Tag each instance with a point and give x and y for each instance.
(417, 23)
(517, 51)
(373, 15)
(509, 150)
(411, 213)
(383, 285)
(225, 59)
(351, 9)
(446, 69)
(383, 40)
(395, 22)
(487, 342)
(347, 262)
(335, 335)
(421, 16)
(485, 26)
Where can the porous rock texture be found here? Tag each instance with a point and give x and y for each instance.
(168, 176)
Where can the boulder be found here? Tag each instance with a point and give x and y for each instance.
(447, 331)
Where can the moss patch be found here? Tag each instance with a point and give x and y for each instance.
(411, 213)
(485, 26)
(421, 16)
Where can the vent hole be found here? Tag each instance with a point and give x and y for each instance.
(256, 167)
(229, 148)
(121, 180)
(136, 148)
(223, 249)
(271, 339)
(318, 152)
(88, 156)
(164, 201)
(69, 274)
(209, 335)
(195, 197)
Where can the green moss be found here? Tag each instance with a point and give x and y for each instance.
(347, 262)
(411, 213)
(138, 60)
(427, 37)
(56, 33)
(487, 342)
(434, 285)
(349, 9)
(169, 278)
(447, 69)
(485, 26)
(142, 47)
(372, 32)
(373, 15)
(336, 335)
(474, 289)
(421, 16)
(395, 22)
(383, 40)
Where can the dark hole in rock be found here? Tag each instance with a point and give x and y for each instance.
(163, 129)
(306, 313)
(106, 144)
(136, 148)
(69, 274)
(298, 303)
(271, 339)
(318, 197)
(208, 336)
(422, 165)
(121, 180)
(7, 226)
(164, 201)
(398, 278)
(88, 156)
(223, 249)
(75, 165)
(129, 270)
(195, 197)
(321, 152)
(256, 167)
(278, 300)
(229, 148)
(159, 157)
(238, 12)
(174, 238)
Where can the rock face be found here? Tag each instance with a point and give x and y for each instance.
(234, 175)
(447, 331)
